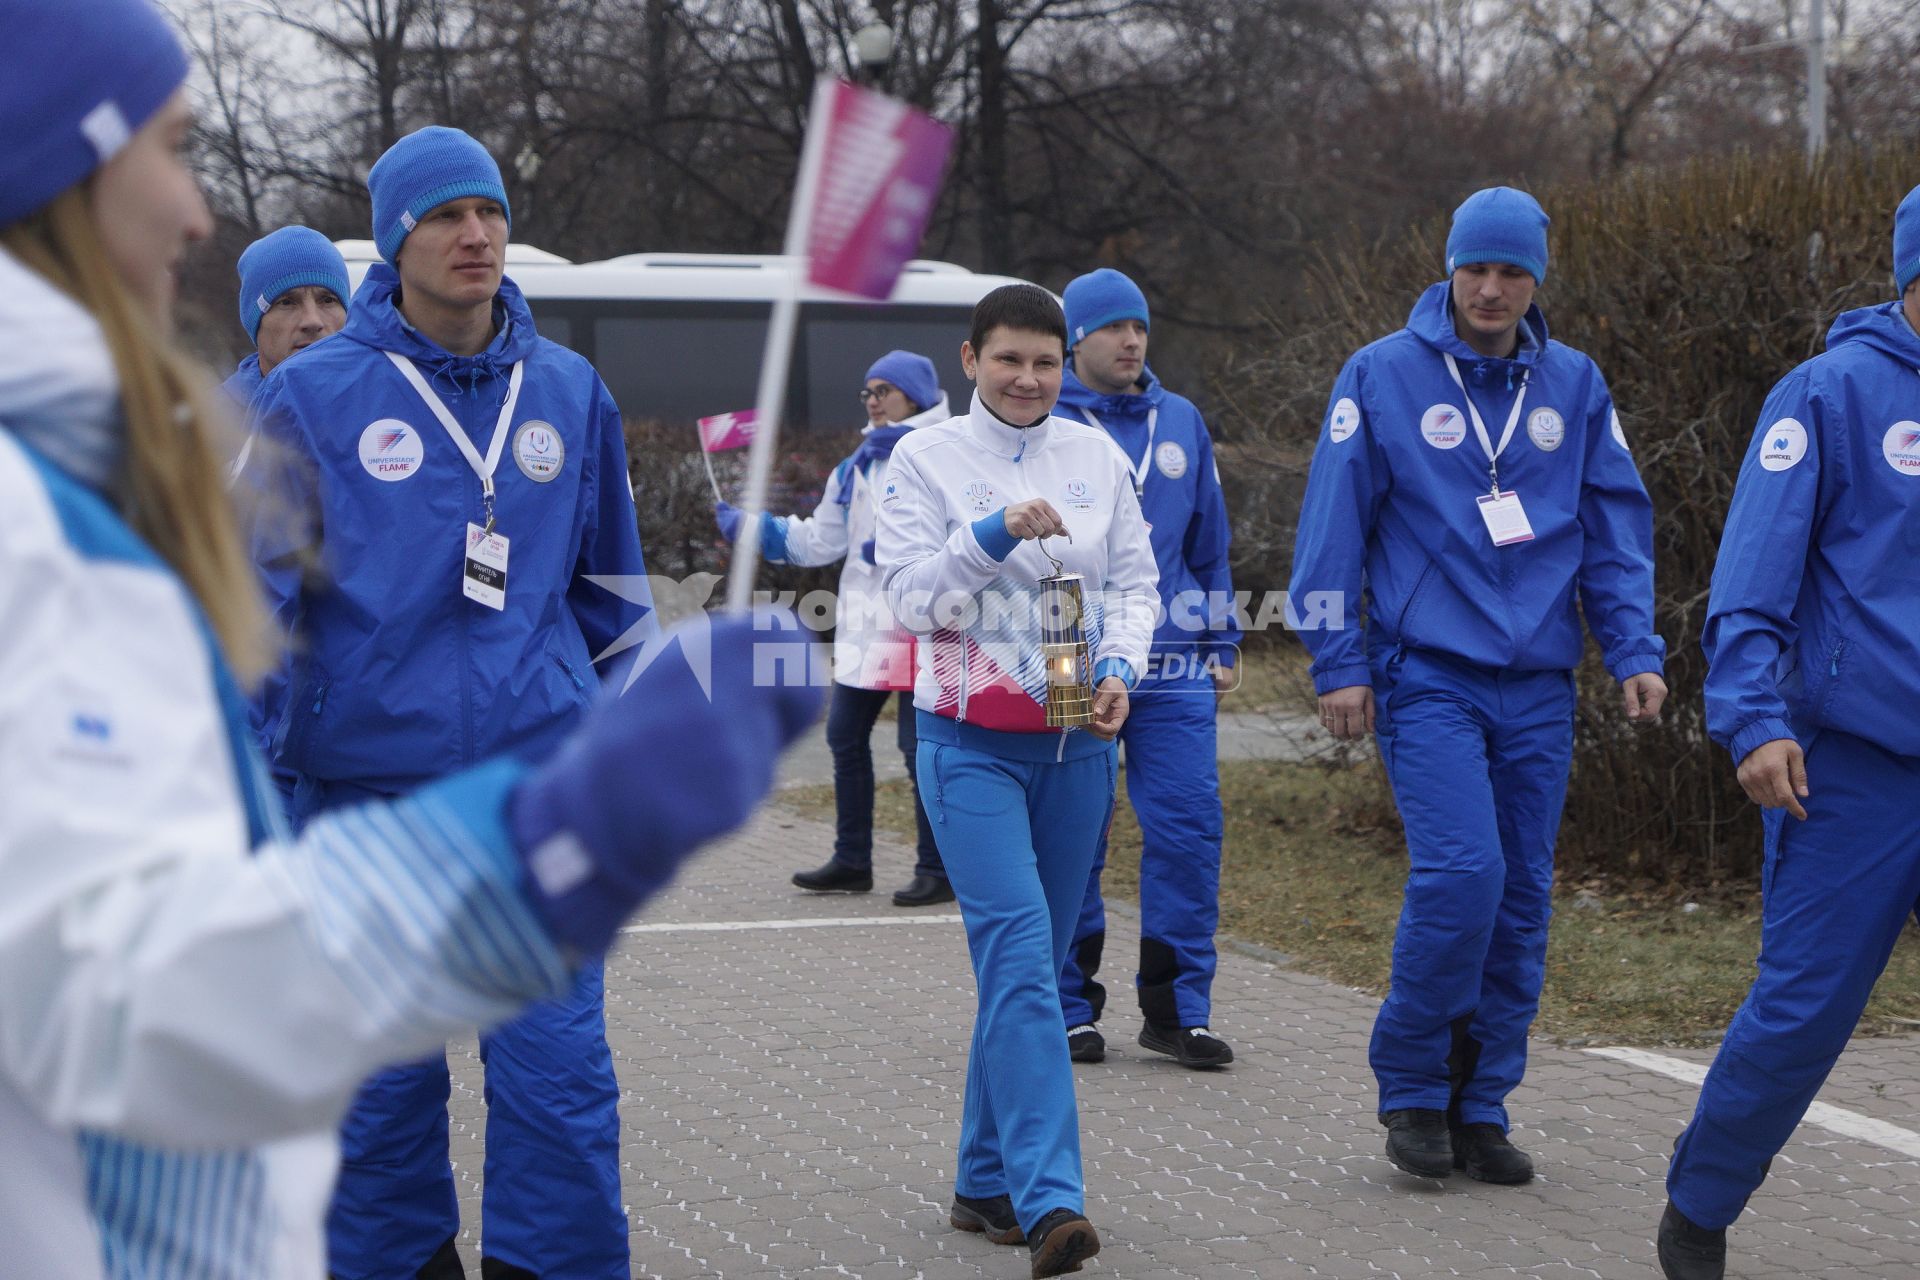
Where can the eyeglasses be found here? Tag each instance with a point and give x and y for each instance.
(868, 393)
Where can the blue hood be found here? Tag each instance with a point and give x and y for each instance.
(375, 321)
(1128, 407)
(1431, 321)
(1883, 327)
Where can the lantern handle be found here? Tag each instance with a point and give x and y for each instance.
(1058, 568)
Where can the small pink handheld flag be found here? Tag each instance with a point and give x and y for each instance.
(723, 431)
(869, 176)
(879, 176)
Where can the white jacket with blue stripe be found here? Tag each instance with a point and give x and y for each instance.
(187, 1001)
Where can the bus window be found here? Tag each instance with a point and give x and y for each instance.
(556, 328)
(841, 341)
(677, 368)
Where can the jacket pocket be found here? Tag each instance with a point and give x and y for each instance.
(576, 681)
(1403, 625)
(1836, 657)
(300, 726)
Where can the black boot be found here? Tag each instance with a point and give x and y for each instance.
(992, 1217)
(835, 877)
(1060, 1242)
(1086, 1044)
(1484, 1152)
(925, 891)
(1418, 1143)
(1688, 1252)
(1195, 1047)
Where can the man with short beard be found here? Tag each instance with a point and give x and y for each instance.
(1470, 542)
(1173, 774)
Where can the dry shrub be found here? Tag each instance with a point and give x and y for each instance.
(1695, 289)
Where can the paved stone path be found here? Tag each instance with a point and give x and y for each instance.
(792, 1098)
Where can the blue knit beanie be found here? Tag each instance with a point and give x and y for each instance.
(286, 259)
(1097, 299)
(423, 171)
(1499, 224)
(1906, 240)
(912, 374)
(77, 80)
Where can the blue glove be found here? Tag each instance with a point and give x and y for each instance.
(866, 551)
(727, 516)
(654, 774)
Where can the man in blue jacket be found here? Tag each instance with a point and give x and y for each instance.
(293, 292)
(477, 553)
(1471, 484)
(1173, 777)
(1812, 684)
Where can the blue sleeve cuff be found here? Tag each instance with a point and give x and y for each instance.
(1325, 682)
(1115, 667)
(1638, 664)
(1760, 731)
(773, 537)
(990, 531)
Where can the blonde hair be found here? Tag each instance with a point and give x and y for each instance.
(176, 493)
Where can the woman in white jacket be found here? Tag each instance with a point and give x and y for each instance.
(187, 1002)
(1018, 807)
(872, 656)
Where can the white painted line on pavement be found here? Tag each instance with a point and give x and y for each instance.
(823, 922)
(1848, 1124)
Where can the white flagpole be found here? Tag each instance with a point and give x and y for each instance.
(778, 355)
(711, 479)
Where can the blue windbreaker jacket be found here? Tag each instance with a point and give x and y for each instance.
(1185, 512)
(244, 382)
(397, 676)
(1391, 514)
(1814, 619)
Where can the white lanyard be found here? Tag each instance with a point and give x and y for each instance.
(483, 468)
(1146, 459)
(1480, 428)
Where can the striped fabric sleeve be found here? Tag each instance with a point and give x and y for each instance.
(418, 906)
(418, 918)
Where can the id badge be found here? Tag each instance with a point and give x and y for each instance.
(485, 579)
(1506, 518)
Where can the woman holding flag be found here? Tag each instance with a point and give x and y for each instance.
(974, 515)
(872, 657)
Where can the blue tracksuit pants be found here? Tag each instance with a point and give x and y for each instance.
(551, 1203)
(1837, 890)
(1017, 836)
(1478, 758)
(1173, 783)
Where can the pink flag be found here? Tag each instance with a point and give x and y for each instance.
(880, 163)
(725, 431)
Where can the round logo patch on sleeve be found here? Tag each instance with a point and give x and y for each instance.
(1344, 420)
(1901, 447)
(539, 451)
(1443, 426)
(391, 450)
(1547, 429)
(1784, 445)
(1171, 459)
